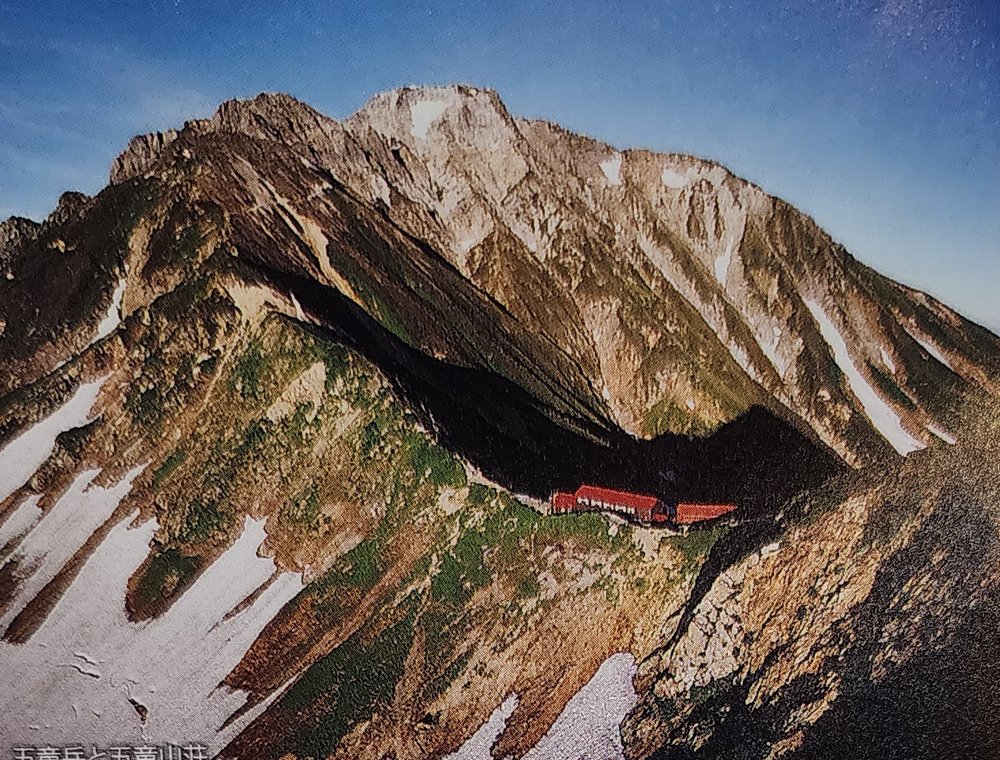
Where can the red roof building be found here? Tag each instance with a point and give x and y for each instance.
(644, 508)
(563, 502)
(687, 513)
(632, 504)
(596, 499)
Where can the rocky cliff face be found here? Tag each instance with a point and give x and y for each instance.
(142, 151)
(289, 391)
(679, 294)
(865, 627)
(13, 232)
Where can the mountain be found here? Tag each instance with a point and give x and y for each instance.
(281, 405)
(669, 295)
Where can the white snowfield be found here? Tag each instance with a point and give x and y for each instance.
(477, 746)
(674, 180)
(930, 348)
(423, 114)
(381, 189)
(590, 724)
(887, 361)
(73, 680)
(612, 168)
(721, 265)
(114, 316)
(588, 727)
(61, 531)
(20, 458)
(883, 417)
(943, 434)
(20, 521)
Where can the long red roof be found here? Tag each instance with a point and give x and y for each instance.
(622, 498)
(689, 513)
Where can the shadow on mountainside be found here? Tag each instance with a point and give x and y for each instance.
(943, 703)
(938, 705)
(758, 460)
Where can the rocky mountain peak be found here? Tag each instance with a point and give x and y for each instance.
(415, 115)
(141, 153)
(13, 231)
(69, 205)
(275, 103)
(679, 295)
(270, 115)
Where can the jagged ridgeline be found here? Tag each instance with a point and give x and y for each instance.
(279, 407)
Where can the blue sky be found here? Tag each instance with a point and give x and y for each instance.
(880, 118)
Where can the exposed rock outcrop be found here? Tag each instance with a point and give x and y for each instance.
(13, 232)
(868, 624)
(141, 153)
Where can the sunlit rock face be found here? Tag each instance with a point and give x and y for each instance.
(867, 626)
(678, 292)
(13, 232)
(280, 409)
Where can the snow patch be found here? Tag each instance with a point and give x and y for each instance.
(475, 234)
(770, 345)
(612, 168)
(525, 235)
(114, 316)
(590, 724)
(312, 234)
(722, 263)
(930, 348)
(315, 238)
(943, 434)
(666, 264)
(477, 746)
(20, 458)
(423, 114)
(883, 417)
(381, 189)
(741, 357)
(673, 179)
(887, 361)
(770, 350)
(21, 521)
(172, 665)
(54, 539)
(299, 314)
